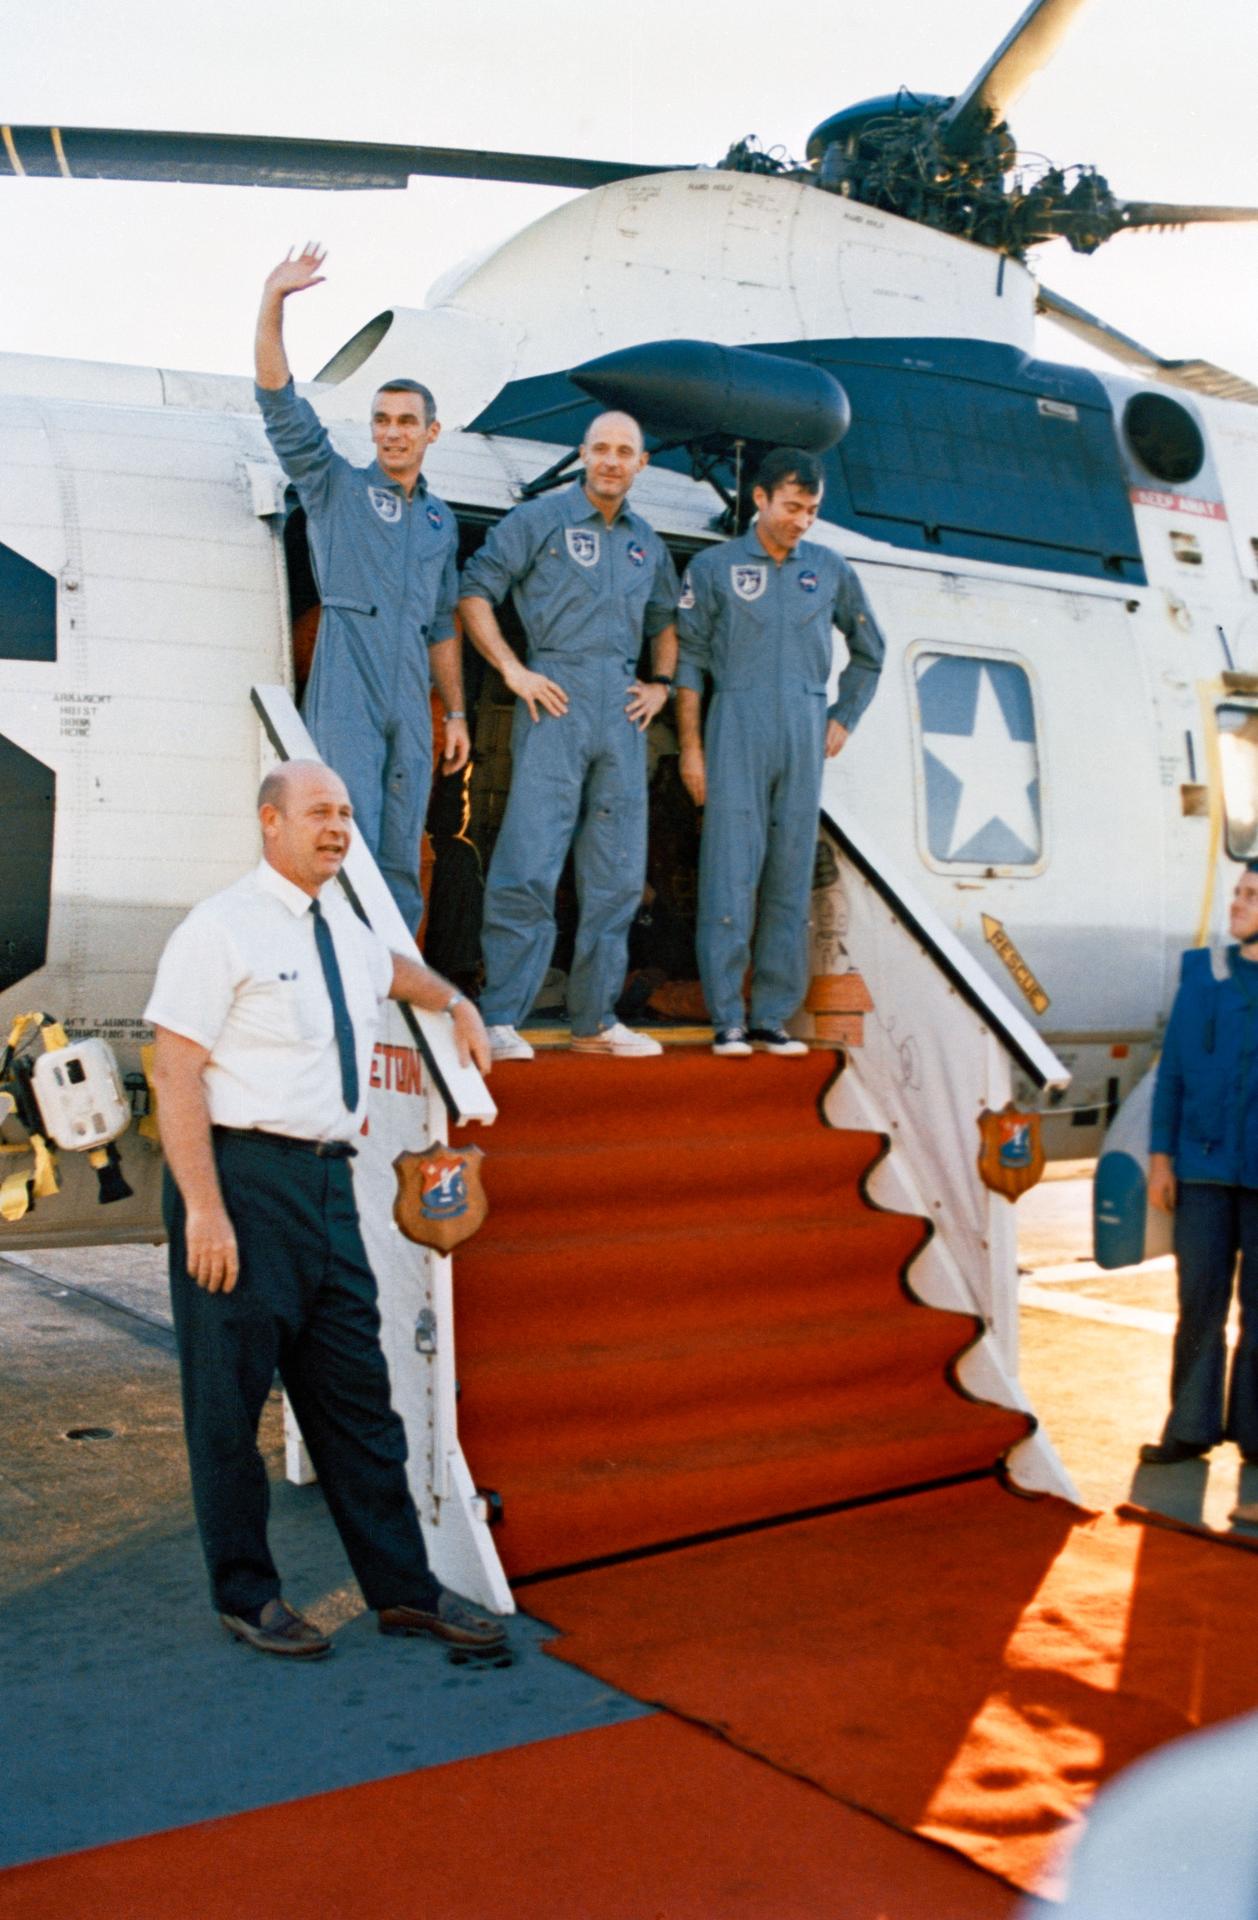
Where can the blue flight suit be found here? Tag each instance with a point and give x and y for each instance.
(387, 573)
(586, 593)
(763, 633)
(1205, 1116)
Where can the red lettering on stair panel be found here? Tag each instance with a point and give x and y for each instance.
(396, 1069)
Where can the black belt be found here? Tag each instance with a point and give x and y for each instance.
(288, 1142)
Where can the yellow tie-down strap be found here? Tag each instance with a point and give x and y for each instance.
(17, 1190)
(53, 1033)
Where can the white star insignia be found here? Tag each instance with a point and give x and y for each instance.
(996, 774)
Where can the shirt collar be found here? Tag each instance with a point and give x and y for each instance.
(754, 550)
(749, 542)
(579, 507)
(271, 880)
(377, 477)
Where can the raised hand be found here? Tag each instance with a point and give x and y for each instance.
(297, 271)
(294, 274)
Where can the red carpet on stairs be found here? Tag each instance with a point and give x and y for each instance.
(682, 1315)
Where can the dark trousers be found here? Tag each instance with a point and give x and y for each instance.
(1213, 1225)
(305, 1303)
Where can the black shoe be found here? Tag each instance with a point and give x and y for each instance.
(1169, 1453)
(731, 1043)
(776, 1040)
(279, 1630)
(452, 1621)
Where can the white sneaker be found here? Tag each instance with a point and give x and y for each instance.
(621, 1041)
(506, 1044)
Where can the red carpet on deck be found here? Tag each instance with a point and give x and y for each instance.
(964, 1663)
(651, 1821)
(681, 1315)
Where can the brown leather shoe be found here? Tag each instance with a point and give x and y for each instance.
(453, 1621)
(279, 1630)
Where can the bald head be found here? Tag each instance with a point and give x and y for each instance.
(294, 777)
(305, 814)
(613, 425)
(613, 455)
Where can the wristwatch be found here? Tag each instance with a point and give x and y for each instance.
(662, 680)
(454, 1000)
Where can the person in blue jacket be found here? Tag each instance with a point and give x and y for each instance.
(384, 551)
(1203, 1165)
(590, 579)
(756, 617)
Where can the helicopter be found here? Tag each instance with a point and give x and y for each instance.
(1064, 561)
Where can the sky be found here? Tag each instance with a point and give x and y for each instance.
(1159, 97)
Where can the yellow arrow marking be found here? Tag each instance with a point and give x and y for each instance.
(996, 937)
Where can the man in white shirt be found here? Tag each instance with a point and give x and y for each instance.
(265, 1008)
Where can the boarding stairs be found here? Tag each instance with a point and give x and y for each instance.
(699, 1301)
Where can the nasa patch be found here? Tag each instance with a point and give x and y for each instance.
(749, 580)
(687, 594)
(435, 518)
(387, 505)
(582, 545)
(637, 553)
(808, 582)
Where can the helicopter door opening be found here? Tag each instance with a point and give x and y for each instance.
(1238, 761)
(466, 810)
(30, 808)
(303, 594)
(662, 984)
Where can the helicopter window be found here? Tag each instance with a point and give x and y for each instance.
(957, 447)
(1238, 757)
(1164, 437)
(28, 609)
(980, 762)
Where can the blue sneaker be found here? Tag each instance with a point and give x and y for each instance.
(776, 1040)
(731, 1043)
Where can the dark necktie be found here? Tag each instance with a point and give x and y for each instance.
(340, 1012)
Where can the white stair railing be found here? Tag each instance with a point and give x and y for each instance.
(417, 1083)
(938, 1049)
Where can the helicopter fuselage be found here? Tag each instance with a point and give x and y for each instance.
(1054, 751)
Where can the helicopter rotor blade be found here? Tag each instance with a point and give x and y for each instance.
(1090, 214)
(1167, 213)
(1028, 46)
(254, 160)
(1197, 376)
